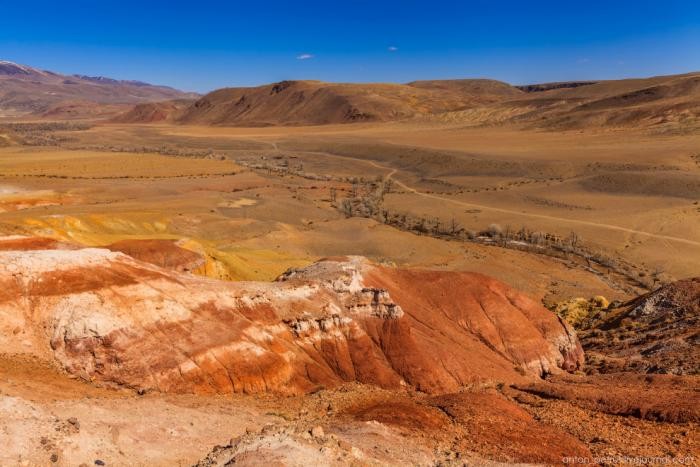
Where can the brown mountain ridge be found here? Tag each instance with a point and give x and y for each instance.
(645, 102)
(614, 103)
(30, 91)
(316, 102)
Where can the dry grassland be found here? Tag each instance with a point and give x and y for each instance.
(257, 201)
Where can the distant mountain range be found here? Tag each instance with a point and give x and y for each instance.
(318, 103)
(26, 90)
(672, 100)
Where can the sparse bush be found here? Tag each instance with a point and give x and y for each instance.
(494, 231)
(346, 207)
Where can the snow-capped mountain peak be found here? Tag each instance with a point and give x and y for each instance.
(11, 68)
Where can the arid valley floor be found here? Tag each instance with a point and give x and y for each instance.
(430, 291)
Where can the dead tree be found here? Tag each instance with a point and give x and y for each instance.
(454, 226)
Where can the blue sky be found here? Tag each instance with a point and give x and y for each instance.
(207, 44)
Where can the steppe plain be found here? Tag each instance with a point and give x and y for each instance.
(263, 194)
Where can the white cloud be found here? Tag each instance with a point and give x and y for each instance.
(392, 48)
(304, 56)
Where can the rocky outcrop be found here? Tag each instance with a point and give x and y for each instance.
(658, 332)
(109, 318)
(666, 398)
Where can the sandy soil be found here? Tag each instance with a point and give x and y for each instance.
(49, 419)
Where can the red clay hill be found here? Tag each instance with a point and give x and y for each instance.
(109, 318)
